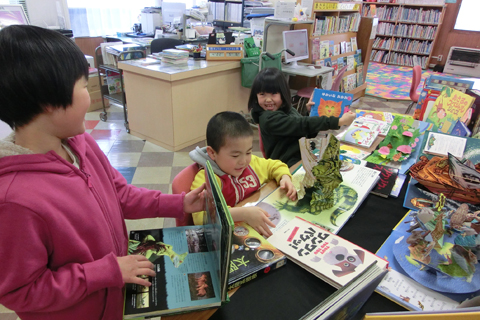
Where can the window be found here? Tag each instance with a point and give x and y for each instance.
(22, 2)
(104, 17)
(107, 17)
(467, 16)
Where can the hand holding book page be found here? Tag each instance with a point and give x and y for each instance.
(191, 263)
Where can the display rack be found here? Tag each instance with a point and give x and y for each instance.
(406, 33)
(341, 11)
(118, 98)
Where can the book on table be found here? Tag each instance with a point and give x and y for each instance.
(192, 263)
(471, 313)
(347, 301)
(324, 254)
(448, 108)
(361, 133)
(349, 195)
(442, 144)
(388, 177)
(252, 256)
(412, 288)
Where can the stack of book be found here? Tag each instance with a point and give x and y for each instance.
(174, 56)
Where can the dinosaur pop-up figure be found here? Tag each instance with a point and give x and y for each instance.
(322, 171)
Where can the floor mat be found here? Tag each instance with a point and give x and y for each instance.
(393, 82)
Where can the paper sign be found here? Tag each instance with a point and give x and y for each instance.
(284, 10)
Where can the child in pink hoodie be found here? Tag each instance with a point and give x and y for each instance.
(63, 240)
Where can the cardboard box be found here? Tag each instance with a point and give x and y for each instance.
(93, 83)
(96, 101)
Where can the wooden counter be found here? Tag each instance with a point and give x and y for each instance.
(171, 106)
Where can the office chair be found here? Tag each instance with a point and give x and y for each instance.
(416, 78)
(338, 79)
(182, 183)
(158, 45)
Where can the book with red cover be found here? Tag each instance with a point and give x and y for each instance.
(385, 184)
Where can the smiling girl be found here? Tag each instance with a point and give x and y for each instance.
(281, 125)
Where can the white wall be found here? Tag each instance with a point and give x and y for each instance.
(43, 13)
(4, 130)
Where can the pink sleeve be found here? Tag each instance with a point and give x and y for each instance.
(25, 250)
(139, 203)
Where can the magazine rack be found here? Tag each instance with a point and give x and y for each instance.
(103, 69)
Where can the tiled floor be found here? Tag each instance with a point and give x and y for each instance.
(147, 165)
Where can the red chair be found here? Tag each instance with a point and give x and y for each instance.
(260, 143)
(338, 79)
(182, 183)
(414, 95)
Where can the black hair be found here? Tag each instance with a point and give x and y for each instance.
(226, 124)
(270, 80)
(38, 68)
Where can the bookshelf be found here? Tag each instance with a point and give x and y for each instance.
(340, 23)
(406, 33)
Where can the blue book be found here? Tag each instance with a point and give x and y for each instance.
(438, 82)
(328, 62)
(461, 130)
(330, 103)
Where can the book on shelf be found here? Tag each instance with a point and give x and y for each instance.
(356, 185)
(330, 103)
(324, 49)
(335, 67)
(442, 144)
(192, 263)
(328, 62)
(336, 49)
(350, 62)
(348, 300)
(353, 42)
(385, 184)
(252, 256)
(331, 48)
(472, 313)
(449, 107)
(324, 254)
(361, 133)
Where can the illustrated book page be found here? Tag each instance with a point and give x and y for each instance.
(356, 185)
(328, 256)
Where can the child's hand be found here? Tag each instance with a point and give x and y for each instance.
(133, 266)
(194, 201)
(310, 103)
(256, 217)
(287, 185)
(346, 119)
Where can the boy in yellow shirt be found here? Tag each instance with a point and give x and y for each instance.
(238, 172)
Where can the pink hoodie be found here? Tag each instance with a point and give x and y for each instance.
(62, 228)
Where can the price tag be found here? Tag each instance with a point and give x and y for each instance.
(217, 54)
(234, 54)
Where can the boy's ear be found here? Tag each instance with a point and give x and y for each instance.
(211, 153)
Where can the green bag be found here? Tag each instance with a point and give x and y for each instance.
(250, 67)
(250, 49)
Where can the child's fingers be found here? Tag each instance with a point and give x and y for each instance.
(264, 231)
(198, 190)
(264, 212)
(270, 223)
(142, 282)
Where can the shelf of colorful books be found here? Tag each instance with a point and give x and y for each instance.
(410, 52)
(422, 23)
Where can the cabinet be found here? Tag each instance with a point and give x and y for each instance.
(338, 22)
(226, 13)
(406, 33)
(105, 70)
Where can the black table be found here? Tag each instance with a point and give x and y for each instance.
(291, 291)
